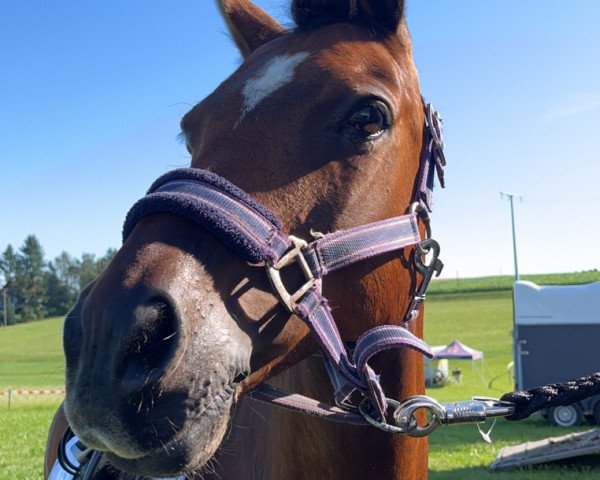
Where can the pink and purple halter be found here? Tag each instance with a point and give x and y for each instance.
(254, 233)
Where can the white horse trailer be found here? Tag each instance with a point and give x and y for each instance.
(557, 338)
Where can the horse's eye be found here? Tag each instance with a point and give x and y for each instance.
(368, 120)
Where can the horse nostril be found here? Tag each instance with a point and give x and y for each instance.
(151, 342)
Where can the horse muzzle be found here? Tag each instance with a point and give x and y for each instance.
(151, 372)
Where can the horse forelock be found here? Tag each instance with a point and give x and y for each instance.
(382, 16)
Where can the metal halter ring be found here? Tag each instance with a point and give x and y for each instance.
(404, 416)
(418, 209)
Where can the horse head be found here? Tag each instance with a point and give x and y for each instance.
(323, 125)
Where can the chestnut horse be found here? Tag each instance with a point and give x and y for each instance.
(323, 125)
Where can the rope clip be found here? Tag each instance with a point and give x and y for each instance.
(427, 271)
(477, 410)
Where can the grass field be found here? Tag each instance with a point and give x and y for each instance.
(31, 356)
(504, 282)
(23, 431)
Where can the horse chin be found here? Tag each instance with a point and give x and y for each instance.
(147, 443)
(189, 449)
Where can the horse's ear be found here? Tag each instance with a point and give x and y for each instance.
(250, 26)
(387, 14)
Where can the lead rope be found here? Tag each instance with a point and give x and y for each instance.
(552, 395)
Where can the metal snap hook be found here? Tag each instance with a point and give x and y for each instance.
(365, 408)
(435, 265)
(427, 271)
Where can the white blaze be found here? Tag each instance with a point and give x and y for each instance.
(275, 74)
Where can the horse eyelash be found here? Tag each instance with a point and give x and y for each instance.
(181, 138)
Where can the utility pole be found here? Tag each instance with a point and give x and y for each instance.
(511, 197)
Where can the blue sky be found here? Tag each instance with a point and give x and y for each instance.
(92, 94)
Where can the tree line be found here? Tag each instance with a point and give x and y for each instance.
(33, 288)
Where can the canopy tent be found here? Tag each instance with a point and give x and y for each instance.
(457, 350)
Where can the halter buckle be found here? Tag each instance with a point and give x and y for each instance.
(294, 255)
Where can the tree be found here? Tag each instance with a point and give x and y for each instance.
(90, 268)
(66, 269)
(9, 267)
(9, 264)
(36, 288)
(31, 279)
(105, 260)
(60, 297)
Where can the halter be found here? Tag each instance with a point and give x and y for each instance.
(254, 233)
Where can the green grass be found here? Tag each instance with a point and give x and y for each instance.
(504, 283)
(458, 453)
(31, 356)
(484, 321)
(23, 433)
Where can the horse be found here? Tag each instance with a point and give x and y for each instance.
(322, 124)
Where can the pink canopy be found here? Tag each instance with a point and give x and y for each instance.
(456, 350)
